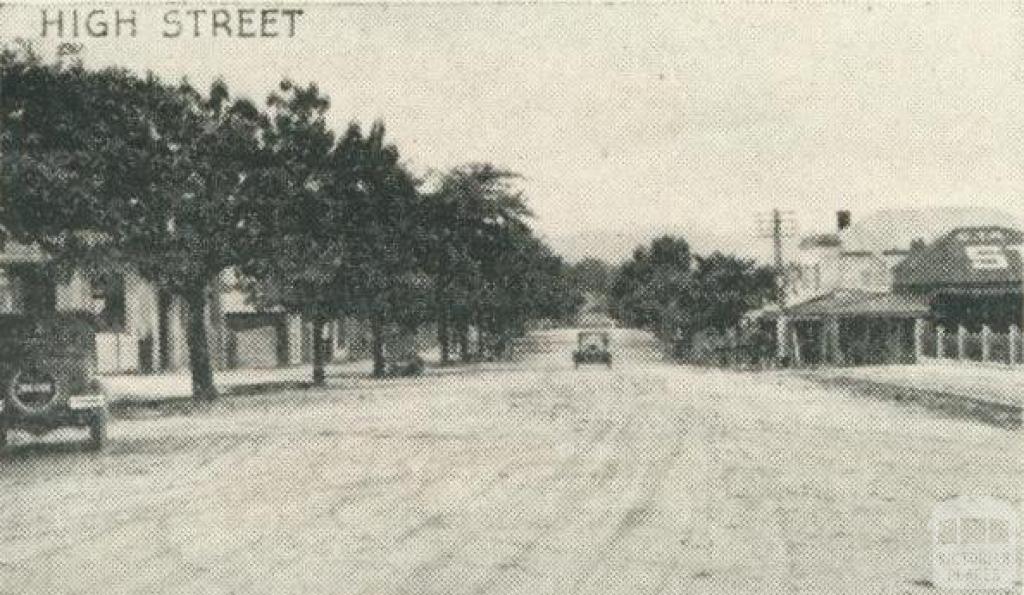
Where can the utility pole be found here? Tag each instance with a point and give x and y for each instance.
(780, 225)
(777, 240)
(1019, 249)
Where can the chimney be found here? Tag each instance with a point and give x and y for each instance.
(842, 220)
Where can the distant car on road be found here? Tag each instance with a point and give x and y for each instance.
(47, 379)
(592, 348)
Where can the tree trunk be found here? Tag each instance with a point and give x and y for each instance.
(463, 331)
(443, 310)
(481, 342)
(442, 332)
(319, 355)
(203, 388)
(377, 344)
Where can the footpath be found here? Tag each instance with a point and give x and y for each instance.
(153, 388)
(993, 393)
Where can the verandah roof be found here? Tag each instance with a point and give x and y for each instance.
(860, 304)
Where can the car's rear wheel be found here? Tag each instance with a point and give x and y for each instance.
(97, 431)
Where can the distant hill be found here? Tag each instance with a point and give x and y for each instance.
(617, 246)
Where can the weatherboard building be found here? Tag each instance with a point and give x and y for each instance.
(888, 288)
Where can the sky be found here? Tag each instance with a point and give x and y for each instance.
(625, 118)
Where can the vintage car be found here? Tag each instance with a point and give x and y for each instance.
(592, 348)
(47, 377)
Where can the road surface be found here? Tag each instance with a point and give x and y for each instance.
(525, 477)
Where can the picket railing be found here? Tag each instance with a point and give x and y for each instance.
(960, 344)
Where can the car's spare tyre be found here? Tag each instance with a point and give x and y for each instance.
(32, 391)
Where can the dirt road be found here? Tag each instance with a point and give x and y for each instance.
(528, 477)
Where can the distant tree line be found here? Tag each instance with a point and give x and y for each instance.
(678, 295)
(107, 169)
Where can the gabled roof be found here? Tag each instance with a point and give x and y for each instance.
(893, 230)
(965, 257)
(853, 303)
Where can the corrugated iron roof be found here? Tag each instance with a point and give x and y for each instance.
(965, 257)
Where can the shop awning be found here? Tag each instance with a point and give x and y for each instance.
(855, 303)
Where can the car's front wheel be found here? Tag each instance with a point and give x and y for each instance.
(97, 431)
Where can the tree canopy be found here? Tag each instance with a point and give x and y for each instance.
(490, 271)
(106, 166)
(296, 260)
(667, 289)
(111, 170)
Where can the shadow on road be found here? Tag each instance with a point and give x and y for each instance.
(39, 450)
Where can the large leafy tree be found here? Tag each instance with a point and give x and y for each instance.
(300, 250)
(729, 287)
(465, 220)
(511, 286)
(652, 290)
(592, 275)
(381, 273)
(592, 279)
(529, 282)
(152, 176)
(666, 289)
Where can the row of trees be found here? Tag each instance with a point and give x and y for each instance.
(107, 170)
(678, 295)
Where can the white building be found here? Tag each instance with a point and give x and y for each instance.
(141, 329)
(840, 305)
(861, 254)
